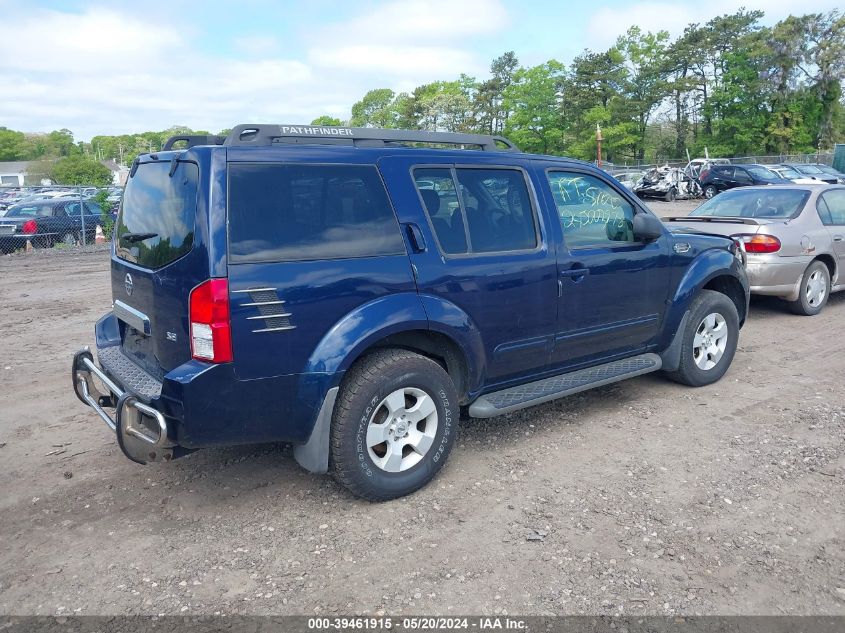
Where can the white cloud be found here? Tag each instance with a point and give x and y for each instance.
(110, 71)
(606, 24)
(417, 61)
(425, 20)
(257, 45)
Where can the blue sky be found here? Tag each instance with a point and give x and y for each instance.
(122, 67)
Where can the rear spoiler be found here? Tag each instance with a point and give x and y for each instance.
(192, 140)
(712, 218)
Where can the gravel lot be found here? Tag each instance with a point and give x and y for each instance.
(644, 497)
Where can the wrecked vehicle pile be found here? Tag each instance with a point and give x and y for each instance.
(667, 183)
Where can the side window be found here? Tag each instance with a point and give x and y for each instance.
(498, 210)
(741, 175)
(831, 206)
(437, 190)
(494, 213)
(591, 212)
(285, 212)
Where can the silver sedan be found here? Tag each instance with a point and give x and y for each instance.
(793, 237)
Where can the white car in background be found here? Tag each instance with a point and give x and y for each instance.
(790, 173)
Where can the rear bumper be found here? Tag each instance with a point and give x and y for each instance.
(778, 276)
(196, 405)
(137, 425)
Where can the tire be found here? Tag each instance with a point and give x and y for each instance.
(703, 364)
(710, 191)
(68, 239)
(368, 409)
(814, 290)
(670, 195)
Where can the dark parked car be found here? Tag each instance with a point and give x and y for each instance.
(721, 177)
(830, 171)
(341, 290)
(816, 172)
(48, 222)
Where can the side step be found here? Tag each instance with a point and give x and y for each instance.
(532, 393)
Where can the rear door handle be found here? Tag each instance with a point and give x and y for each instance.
(416, 237)
(576, 274)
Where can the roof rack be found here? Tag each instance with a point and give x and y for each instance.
(256, 135)
(192, 140)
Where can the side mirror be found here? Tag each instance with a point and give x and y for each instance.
(647, 227)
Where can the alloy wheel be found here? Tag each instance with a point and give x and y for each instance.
(710, 341)
(401, 429)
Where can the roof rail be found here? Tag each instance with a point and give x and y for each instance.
(192, 140)
(257, 135)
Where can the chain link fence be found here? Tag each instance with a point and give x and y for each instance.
(56, 217)
(822, 158)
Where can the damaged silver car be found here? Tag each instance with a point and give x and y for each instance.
(667, 183)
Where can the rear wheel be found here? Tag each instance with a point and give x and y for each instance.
(814, 291)
(394, 424)
(710, 191)
(709, 340)
(68, 239)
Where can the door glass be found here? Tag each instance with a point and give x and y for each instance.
(591, 212)
(835, 203)
(437, 191)
(498, 210)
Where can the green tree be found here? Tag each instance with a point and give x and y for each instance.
(12, 145)
(488, 110)
(536, 122)
(375, 109)
(81, 170)
(644, 85)
(327, 120)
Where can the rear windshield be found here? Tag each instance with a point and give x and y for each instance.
(283, 212)
(755, 203)
(156, 221)
(30, 211)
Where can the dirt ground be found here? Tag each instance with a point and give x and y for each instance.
(644, 497)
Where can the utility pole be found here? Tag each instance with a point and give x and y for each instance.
(599, 139)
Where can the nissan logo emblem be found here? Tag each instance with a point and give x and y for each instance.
(127, 283)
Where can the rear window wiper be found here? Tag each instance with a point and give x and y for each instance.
(137, 237)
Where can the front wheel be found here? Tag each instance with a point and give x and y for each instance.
(710, 191)
(670, 195)
(709, 340)
(394, 424)
(815, 289)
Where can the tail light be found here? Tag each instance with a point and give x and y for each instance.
(29, 227)
(211, 331)
(759, 244)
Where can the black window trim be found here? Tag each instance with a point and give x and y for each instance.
(636, 205)
(452, 168)
(284, 163)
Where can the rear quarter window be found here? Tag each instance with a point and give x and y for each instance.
(284, 212)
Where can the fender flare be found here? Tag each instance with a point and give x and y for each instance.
(708, 265)
(350, 337)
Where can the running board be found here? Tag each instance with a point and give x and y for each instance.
(528, 395)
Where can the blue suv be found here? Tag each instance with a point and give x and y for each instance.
(356, 291)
